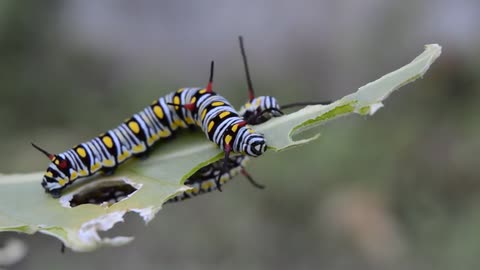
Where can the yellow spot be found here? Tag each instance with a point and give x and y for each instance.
(223, 179)
(108, 163)
(158, 111)
(180, 90)
(204, 112)
(123, 156)
(57, 162)
(189, 120)
(152, 139)
(95, 167)
(257, 103)
(206, 185)
(83, 173)
(134, 127)
(107, 141)
(193, 100)
(179, 123)
(73, 175)
(81, 152)
(248, 105)
(228, 139)
(210, 125)
(224, 114)
(218, 103)
(203, 91)
(164, 133)
(176, 100)
(138, 148)
(195, 190)
(49, 174)
(62, 182)
(250, 130)
(235, 127)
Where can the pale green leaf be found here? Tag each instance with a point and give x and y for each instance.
(24, 207)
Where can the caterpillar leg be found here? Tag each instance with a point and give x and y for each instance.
(192, 128)
(144, 155)
(228, 149)
(55, 193)
(109, 171)
(263, 116)
(250, 179)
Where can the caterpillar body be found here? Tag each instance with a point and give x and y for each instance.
(256, 111)
(204, 180)
(186, 107)
(183, 108)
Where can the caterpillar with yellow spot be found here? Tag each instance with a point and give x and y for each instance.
(181, 109)
(186, 107)
(256, 111)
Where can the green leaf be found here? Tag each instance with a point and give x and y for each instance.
(24, 207)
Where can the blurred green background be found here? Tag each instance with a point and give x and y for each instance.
(399, 190)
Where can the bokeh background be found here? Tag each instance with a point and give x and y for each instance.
(399, 190)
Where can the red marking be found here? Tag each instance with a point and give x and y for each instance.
(190, 106)
(209, 87)
(51, 157)
(63, 164)
(251, 95)
(242, 124)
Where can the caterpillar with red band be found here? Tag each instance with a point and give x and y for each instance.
(256, 111)
(186, 107)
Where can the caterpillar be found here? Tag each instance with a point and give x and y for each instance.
(204, 180)
(256, 111)
(186, 107)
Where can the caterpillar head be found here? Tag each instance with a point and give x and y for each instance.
(260, 110)
(254, 145)
(55, 177)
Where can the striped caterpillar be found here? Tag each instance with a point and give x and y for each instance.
(187, 107)
(205, 180)
(256, 111)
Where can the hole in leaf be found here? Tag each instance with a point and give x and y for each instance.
(106, 193)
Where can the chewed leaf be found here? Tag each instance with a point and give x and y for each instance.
(366, 101)
(143, 186)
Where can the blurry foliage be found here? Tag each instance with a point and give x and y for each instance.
(424, 145)
(37, 67)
